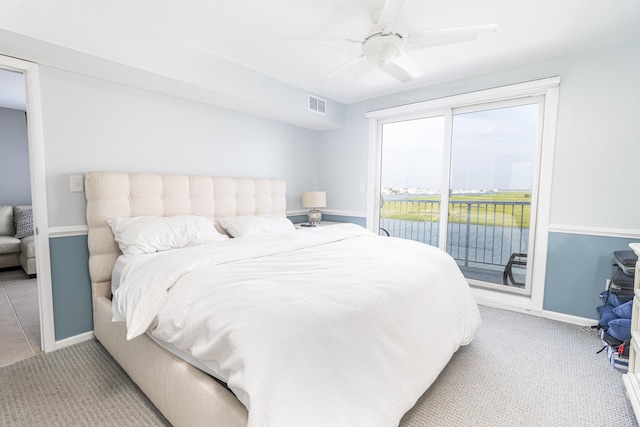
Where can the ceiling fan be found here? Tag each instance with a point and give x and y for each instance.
(386, 48)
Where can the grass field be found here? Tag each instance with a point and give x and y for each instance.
(502, 209)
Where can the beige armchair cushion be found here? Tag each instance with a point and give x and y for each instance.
(6, 221)
(9, 245)
(28, 247)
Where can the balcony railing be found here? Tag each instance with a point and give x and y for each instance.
(480, 234)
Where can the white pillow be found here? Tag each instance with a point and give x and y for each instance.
(239, 226)
(148, 234)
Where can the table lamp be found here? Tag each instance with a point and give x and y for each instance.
(314, 200)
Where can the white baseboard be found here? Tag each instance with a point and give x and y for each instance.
(505, 301)
(74, 340)
(568, 318)
(561, 317)
(523, 304)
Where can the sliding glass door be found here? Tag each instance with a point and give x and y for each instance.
(493, 152)
(464, 179)
(411, 178)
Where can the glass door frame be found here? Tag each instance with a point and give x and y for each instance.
(548, 89)
(514, 102)
(445, 171)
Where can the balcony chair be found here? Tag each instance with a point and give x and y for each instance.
(519, 261)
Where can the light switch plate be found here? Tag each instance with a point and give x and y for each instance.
(76, 183)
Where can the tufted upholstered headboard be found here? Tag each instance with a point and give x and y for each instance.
(115, 194)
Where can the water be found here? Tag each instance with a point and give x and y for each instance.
(483, 246)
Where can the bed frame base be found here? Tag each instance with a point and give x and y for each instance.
(185, 395)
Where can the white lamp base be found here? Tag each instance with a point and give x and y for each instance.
(314, 216)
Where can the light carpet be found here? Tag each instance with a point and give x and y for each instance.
(520, 370)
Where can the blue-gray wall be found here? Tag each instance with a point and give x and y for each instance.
(578, 267)
(15, 184)
(296, 219)
(72, 309)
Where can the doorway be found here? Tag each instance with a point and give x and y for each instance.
(30, 90)
(19, 311)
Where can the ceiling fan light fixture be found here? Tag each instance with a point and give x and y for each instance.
(385, 48)
(380, 49)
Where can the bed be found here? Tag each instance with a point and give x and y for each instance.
(325, 326)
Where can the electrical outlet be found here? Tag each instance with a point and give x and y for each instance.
(362, 188)
(76, 183)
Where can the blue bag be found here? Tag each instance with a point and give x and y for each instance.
(620, 329)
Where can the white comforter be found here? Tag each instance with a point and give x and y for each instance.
(333, 326)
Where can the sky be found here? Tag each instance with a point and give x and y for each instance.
(491, 149)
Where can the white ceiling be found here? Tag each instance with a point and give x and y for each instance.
(251, 33)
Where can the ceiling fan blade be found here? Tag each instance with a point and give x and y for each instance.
(406, 62)
(389, 17)
(319, 38)
(360, 68)
(403, 68)
(350, 64)
(397, 72)
(427, 38)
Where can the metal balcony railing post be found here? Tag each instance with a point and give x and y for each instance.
(468, 233)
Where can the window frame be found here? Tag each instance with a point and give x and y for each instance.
(548, 90)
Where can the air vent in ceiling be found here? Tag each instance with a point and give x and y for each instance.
(317, 105)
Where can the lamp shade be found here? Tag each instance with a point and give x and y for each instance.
(314, 199)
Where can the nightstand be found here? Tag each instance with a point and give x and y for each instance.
(322, 224)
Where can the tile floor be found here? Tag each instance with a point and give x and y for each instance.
(19, 317)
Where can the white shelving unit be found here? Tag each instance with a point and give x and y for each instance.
(632, 377)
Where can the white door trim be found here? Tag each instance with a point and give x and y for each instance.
(38, 195)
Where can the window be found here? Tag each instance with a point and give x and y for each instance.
(469, 174)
